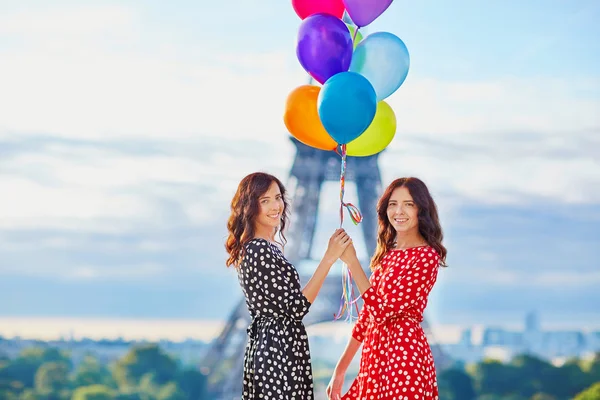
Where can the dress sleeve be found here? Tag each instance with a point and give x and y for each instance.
(360, 328)
(404, 291)
(274, 290)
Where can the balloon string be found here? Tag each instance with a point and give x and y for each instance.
(354, 212)
(348, 295)
(348, 298)
(355, 33)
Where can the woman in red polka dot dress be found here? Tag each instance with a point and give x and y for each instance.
(396, 362)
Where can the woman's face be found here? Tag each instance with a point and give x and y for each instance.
(271, 208)
(402, 211)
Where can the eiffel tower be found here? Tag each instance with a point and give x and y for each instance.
(311, 169)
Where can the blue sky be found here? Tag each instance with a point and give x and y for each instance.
(126, 126)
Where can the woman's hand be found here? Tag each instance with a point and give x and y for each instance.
(349, 254)
(338, 242)
(334, 389)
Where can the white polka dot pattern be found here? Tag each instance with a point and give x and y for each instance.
(277, 361)
(396, 361)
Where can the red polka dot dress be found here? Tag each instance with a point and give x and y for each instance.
(396, 361)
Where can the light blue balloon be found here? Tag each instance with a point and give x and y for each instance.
(347, 104)
(383, 59)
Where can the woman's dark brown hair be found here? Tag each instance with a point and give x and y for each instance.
(244, 209)
(429, 223)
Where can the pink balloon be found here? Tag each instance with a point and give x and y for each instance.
(306, 8)
(363, 12)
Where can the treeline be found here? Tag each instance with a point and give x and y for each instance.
(523, 378)
(144, 373)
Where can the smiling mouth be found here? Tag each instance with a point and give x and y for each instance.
(274, 216)
(400, 220)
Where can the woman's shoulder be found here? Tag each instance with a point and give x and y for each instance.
(258, 246)
(428, 253)
(257, 242)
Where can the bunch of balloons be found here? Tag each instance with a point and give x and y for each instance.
(348, 111)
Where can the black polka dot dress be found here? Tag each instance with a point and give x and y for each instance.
(277, 361)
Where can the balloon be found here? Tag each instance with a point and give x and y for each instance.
(359, 36)
(302, 119)
(347, 105)
(306, 8)
(324, 46)
(383, 59)
(377, 136)
(363, 12)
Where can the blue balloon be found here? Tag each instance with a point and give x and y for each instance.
(347, 104)
(383, 59)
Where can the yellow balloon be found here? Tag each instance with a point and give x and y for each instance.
(377, 136)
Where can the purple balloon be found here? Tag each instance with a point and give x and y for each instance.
(363, 12)
(324, 46)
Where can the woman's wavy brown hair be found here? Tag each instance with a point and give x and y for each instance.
(244, 209)
(429, 222)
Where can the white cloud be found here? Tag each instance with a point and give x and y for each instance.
(57, 21)
(115, 272)
(472, 112)
(103, 95)
(27, 204)
(86, 188)
(496, 275)
(496, 141)
(88, 87)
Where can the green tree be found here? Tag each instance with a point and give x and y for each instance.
(148, 384)
(92, 372)
(142, 360)
(7, 394)
(543, 396)
(130, 394)
(487, 397)
(532, 372)
(567, 380)
(591, 393)
(52, 377)
(455, 384)
(93, 392)
(193, 383)
(593, 370)
(493, 377)
(30, 394)
(20, 372)
(170, 391)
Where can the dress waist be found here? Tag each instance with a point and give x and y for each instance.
(259, 320)
(407, 316)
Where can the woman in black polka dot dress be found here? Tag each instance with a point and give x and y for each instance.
(277, 361)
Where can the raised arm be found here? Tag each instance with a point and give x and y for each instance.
(336, 246)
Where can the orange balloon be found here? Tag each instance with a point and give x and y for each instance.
(302, 118)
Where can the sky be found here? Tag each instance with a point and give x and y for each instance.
(126, 126)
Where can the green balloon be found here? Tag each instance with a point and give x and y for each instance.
(359, 35)
(377, 136)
